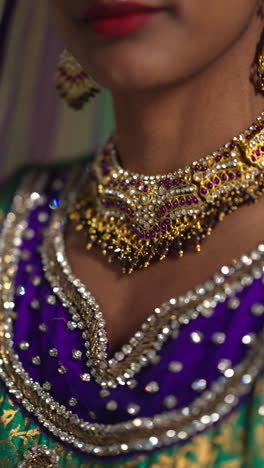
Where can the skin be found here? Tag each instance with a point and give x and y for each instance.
(185, 79)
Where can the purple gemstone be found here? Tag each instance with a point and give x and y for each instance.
(156, 228)
(238, 174)
(195, 200)
(209, 185)
(158, 214)
(160, 182)
(231, 146)
(197, 167)
(137, 184)
(145, 188)
(123, 208)
(163, 226)
(133, 182)
(169, 206)
(167, 221)
(226, 154)
(141, 235)
(167, 181)
(260, 127)
(254, 158)
(262, 148)
(152, 234)
(182, 202)
(188, 201)
(132, 227)
(231, 176)
(216, 181)
(133, 214)
(223, 177)
(175, 181)
(218, 158)
(257, 152)
(118, 203)
(248, 137)
(168, 186)
(163, 209)
(175, 204)
(147, 235)
(203, 191)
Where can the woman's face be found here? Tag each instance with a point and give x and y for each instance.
(180, 40)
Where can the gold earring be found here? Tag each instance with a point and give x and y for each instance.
(73, 83)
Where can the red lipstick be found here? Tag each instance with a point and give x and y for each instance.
(118, 18)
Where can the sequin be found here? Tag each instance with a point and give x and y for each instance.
(218, 338)
(55, 203)
(175, 366)
(85, 377)
(257, 309)
(228, 373)
(76, 354)
(152, 387)
(170, 401)
(199, 385)
(249, 339)
(51, 300)
(20, 291)
(73, 402)
(224, 364)
(62, 369)
(72, 325)
(36, 280)
(104, 393)
(46, 386)
(196, 337)
(43, 217)
(233, 303)
(53, 352)
(133, 409)
(246, 379)
(35, 304)
(111, 405)
(42, 327)
(24, 345)
(36, 360)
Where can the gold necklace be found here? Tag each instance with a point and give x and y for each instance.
(137, 219)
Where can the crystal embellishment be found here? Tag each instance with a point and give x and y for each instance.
(152, 387)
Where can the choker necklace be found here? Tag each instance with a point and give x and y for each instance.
(137, 220)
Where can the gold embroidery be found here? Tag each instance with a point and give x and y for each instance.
(23, 435)
(8, 416)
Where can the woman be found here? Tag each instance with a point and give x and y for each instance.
(178, 384)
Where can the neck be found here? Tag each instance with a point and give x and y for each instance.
(169, 128)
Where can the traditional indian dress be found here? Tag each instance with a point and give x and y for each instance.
(186, 391)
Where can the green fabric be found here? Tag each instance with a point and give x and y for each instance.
(237, 442)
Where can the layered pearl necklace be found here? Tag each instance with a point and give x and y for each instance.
(137, 219)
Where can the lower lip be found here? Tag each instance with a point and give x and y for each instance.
(122, 25)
